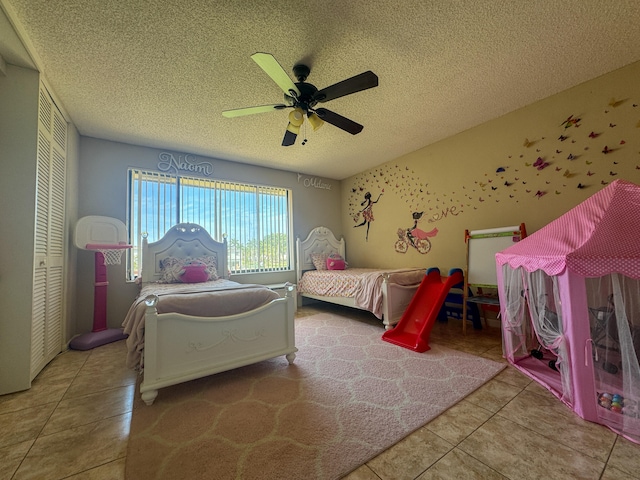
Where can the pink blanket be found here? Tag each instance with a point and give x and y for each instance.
(209, 299)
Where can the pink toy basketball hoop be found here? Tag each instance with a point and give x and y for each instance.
(106, 237)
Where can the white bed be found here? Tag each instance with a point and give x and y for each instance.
(172, 347)
(384, 292)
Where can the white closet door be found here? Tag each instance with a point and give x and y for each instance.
(48, 291)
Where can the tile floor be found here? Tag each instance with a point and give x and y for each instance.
(74, 424)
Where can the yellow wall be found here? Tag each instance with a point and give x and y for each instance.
(457, 184)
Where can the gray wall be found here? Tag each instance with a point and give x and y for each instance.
(102, 190)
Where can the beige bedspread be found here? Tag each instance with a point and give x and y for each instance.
(209, 299)
(361, 284)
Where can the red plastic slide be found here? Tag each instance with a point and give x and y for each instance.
(414, 328)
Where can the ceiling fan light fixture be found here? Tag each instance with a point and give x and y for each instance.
(315, 121)
(296, 117)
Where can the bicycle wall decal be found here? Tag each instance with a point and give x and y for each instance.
(415, 237)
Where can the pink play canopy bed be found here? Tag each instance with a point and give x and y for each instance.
(570, 305)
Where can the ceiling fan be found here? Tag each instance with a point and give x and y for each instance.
(302, 97)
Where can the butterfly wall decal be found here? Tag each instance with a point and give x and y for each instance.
(570, 121)
(538, 162)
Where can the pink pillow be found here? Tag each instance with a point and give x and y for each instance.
(196, 272)
(335, 262)
(173, 269)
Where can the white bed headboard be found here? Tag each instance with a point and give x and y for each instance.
(319, 240)
(181, 241)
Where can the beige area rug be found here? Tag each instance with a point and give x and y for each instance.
(348, 396)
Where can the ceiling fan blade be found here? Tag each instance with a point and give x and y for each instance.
(289, 138)
(339, 121)
(239, 112)
(271, 67)
(347, 87)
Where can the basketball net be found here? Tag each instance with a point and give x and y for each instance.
(111, 256)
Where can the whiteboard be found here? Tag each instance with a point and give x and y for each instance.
(482, 246)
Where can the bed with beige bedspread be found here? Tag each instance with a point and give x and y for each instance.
(183, 331)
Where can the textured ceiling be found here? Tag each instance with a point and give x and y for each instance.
(159, 73)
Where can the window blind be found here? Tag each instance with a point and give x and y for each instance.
(254, 218)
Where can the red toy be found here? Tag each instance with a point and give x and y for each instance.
(414, 328)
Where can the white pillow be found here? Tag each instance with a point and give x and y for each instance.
(319, 260)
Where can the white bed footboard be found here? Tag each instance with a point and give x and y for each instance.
(179, 348)
(395, 300)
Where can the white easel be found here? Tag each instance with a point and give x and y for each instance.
(106, 237)
(482, 246)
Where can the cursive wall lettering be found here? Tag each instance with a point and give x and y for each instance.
(186, 163)
(447, 211)
(314, 182)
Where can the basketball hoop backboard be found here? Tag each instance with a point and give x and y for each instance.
(95, 229)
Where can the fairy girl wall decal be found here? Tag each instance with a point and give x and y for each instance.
(367, 212)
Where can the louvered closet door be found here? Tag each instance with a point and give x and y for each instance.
(48, 284)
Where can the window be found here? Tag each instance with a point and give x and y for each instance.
(254, 218)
